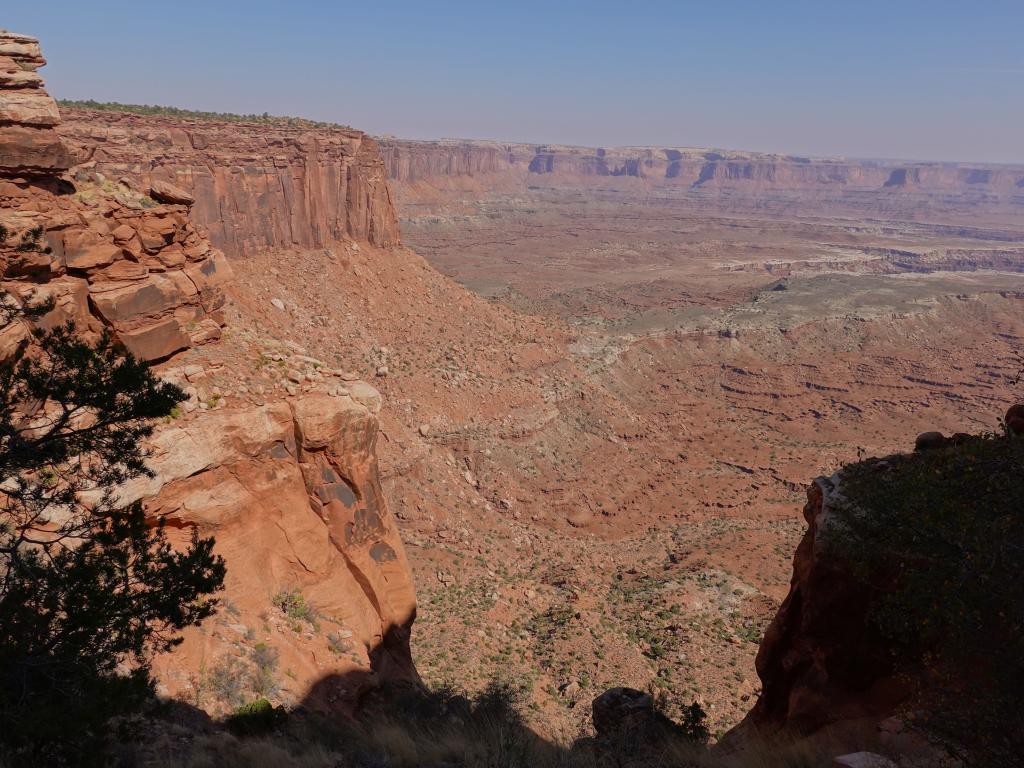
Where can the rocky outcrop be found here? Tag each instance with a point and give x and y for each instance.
(28, 142)
(291, 491)
(255, 185)
(821, 661)
(108, 256)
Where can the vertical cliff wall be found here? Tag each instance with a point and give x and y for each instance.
(255, 185)
(417, 161)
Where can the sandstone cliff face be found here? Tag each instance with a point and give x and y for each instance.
(412, 161)
(289, 486)
(109, 256)
(28, 143)
(292, 492)
(255, 186)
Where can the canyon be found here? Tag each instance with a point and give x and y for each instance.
(601, 381)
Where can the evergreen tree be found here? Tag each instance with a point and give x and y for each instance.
(88, 589)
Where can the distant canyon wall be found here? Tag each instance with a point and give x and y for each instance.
(418, 161)
(255, 186)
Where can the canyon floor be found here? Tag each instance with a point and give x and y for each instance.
(598, 452)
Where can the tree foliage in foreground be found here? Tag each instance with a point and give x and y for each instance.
(88, 590)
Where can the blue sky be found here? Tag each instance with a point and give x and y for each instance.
(901, 79)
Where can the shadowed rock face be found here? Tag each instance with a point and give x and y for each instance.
(289, 487)
(255, 186)
(821, 661)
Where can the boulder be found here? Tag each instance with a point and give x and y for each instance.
(121, 302)
(366, 395)
(320, 419)
(928, 441)
(155, 341)
(165, 192)
(619, 709)
(87, 249)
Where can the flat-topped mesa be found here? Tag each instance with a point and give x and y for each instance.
(701, 170)
(29, 145)
(256, 185)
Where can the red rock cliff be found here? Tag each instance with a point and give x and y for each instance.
(255, 185)
(288, 485)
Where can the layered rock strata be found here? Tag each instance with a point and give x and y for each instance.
(415, 161)
(28, 142)
(255, 185)
(108, 255)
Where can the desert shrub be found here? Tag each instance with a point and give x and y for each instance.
(938, 538)
(292, 603)
(262, 678)
(256, 718)
(227, 681)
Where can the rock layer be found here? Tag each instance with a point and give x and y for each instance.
(254, 185)
(28, 142)
(416, 161)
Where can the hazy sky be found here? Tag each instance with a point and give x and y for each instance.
(900, 78)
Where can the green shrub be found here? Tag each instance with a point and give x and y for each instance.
(256, 718)
(292, 603)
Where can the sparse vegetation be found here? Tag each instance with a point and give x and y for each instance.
(292, 603)
(264, 118)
